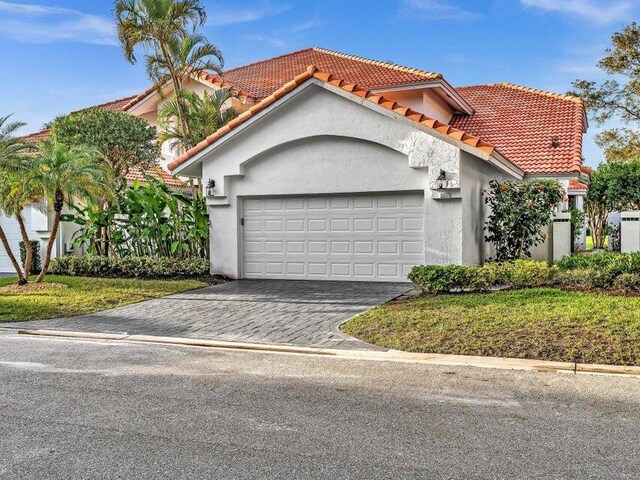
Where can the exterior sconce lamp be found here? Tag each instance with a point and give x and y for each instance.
(210, 188)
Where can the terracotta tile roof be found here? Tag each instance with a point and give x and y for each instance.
(139, 174)
(36, 137)
(116, 105)
(313, 72)
(261, 79)
(540, 132)
(576, 185)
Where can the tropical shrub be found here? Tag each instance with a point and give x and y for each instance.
(205, 115)
(146, 219)
(519, 212)
(35, 256)
(129, 267)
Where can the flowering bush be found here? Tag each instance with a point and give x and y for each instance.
(519, 212)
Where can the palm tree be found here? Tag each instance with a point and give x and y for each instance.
(159, 26)
(12, 150)
(190, 55)
(62, 174)
(205, 115)
(15, 198)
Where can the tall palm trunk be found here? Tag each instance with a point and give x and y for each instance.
(28, 249)
(177, 87)
(57, 209)
(5, 243)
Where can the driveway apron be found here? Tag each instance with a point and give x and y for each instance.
(283, 312)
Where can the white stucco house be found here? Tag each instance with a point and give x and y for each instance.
(344, 168)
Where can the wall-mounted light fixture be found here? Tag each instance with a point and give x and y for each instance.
(210, 188)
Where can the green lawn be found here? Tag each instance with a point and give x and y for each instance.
(540, 323)
(84, 295)
(589, 242)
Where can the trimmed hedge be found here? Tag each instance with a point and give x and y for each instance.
(614, 263)
(129, 267)
(451, 278)
(603, 271)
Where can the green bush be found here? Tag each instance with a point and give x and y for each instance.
(628, 282)
(129, 267)
(517, 274)
(612, 263)
(439, 278)
(528, 273)
(585, 278)
(35, 257)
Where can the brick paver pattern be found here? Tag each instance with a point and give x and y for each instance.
(300, 313)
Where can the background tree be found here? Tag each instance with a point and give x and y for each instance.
(123, 140)
(519, 212)
(614, 186)
(61, 174)
(618, 98)
(12, 150)
(165, 29)
(205, 115)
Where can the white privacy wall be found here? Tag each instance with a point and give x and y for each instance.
(320, 142)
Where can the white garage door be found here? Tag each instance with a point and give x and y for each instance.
(376, 237)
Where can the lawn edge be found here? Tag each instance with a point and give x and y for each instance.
(502, 363)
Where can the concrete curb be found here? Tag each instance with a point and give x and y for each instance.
(369, 355)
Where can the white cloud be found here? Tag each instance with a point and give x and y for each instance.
(436, 10)
(304, 26)
(221, 16)
(598, 12)
(41, 24)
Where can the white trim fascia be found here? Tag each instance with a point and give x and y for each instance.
(552, 176)
(495, 159)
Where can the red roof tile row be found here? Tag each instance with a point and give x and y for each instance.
(313, 72)
(538, 131)
(576, 185)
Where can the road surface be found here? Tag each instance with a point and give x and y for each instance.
(79, 409)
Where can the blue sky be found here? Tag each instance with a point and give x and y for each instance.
(61, 55)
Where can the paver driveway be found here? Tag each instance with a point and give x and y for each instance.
(302, 313)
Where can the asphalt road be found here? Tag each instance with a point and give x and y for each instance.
(76, 409)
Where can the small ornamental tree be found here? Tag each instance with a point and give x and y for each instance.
(613, 187)
(123, 140)
(519, 212)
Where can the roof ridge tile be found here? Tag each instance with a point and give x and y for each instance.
(395, 66)
(560, 96)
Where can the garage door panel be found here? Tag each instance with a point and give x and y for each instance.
(349, 237)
